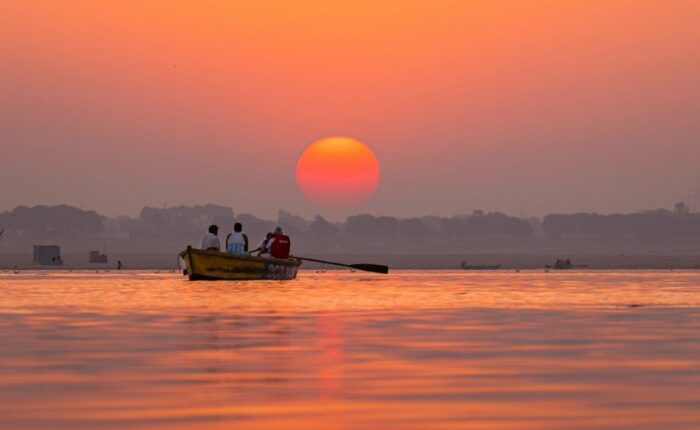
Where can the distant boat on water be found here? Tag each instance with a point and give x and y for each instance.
(565, 265)
(466, 266)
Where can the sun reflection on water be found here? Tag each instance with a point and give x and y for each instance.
(439, 350)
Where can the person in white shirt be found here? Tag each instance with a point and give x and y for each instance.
(263, 248)
(210, 242)
(237, 241)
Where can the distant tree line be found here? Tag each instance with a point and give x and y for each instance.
(176, 222)
(660, 224)
(185, 224)
(51, 222)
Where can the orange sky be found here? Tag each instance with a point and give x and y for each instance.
(544, 105)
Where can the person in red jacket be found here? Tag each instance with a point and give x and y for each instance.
(280, 245)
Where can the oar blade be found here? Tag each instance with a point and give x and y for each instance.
(376, 268)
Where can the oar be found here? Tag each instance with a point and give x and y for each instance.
(376, 268)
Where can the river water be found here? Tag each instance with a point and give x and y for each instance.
(340, 350)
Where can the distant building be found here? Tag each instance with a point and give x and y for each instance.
(98, 257)
(47, 255)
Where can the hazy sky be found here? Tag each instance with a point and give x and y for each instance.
(552, 106)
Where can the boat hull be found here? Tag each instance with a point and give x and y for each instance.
(215, 265)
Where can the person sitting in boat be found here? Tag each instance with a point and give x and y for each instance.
(262, 248)
(237, 241)
(210, 241)
(279, 245)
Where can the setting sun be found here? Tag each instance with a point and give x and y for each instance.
(337, 172)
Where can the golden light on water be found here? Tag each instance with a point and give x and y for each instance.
(353, 351)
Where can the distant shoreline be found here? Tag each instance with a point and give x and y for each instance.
(168, 261)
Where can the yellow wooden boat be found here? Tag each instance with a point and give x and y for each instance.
(215, 265)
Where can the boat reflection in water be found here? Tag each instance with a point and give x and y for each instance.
(411, 350)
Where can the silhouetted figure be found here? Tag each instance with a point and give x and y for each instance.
(119, 265)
